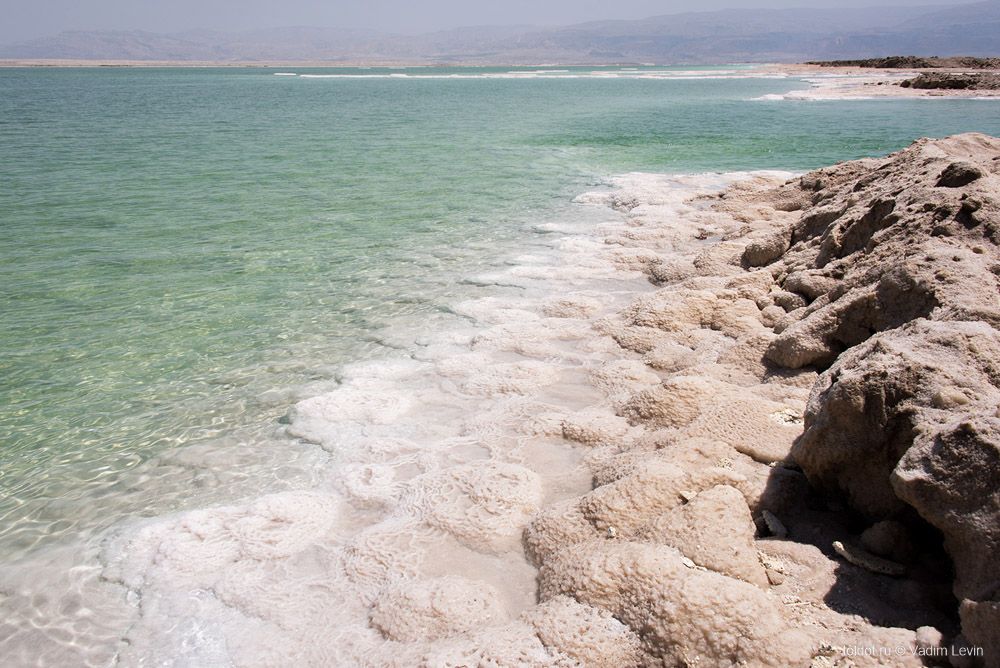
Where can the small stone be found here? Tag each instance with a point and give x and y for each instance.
(928, 636)
(775, 526)
(787, 416)
(959, 174)
(949, 397)
(867, 561)
(889, 539)
(971, 205)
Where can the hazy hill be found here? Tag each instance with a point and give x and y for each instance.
(695, 37)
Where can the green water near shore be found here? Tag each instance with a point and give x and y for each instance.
(186, 252)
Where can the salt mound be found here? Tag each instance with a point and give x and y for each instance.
(573, 305)
(703, 615)
(674, 403)
(510, 378)
(282, 524)
(588, 636)
(183, 547)
(350, 403)
(429, 609)
(483, 503)
(623, 377)
(595, 428)
(385, 553)
(554, 528)
(714, 530)
(202, 543)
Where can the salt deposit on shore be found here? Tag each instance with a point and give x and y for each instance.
(851, 83)
(752, 464)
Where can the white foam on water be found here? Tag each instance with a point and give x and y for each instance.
(565, 74)
(408, 549)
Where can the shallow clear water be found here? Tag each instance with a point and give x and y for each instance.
(186, 252)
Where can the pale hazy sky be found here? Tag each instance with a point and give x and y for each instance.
(22, 20)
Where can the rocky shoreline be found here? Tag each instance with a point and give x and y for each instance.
(786, 453)
(845, 80)
(817, 472)
(953, 81)
(914, 62)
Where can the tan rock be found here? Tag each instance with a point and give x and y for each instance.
(715, 531)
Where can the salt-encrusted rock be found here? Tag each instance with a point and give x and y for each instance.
(556, 527)
(667, 272)
(868, 561)
(736, 318)
(715, 531)
(619, 465)
(671, 357)
(949, 475)
(674, 403)
(769, 315)
(811, 284)
(789, 301)
(700, 616)
(889, 539)
(573, 305)
(632, 501)
(482, 503)
(775, 526)
(637, 339)
(981, 626)
(884, 247)
(720, 259)
(672, 309)
(435, 607)
(900, 257)
(865, 263)
(756, 427)
(929, 638)
(751, 285)
(622, 377)
(863, 411)
(589, 636)
(513, 644)
(959, 174)
(767, 249)
(595, 428)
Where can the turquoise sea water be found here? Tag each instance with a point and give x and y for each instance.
(186, 252)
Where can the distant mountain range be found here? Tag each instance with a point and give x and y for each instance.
(732, 35)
